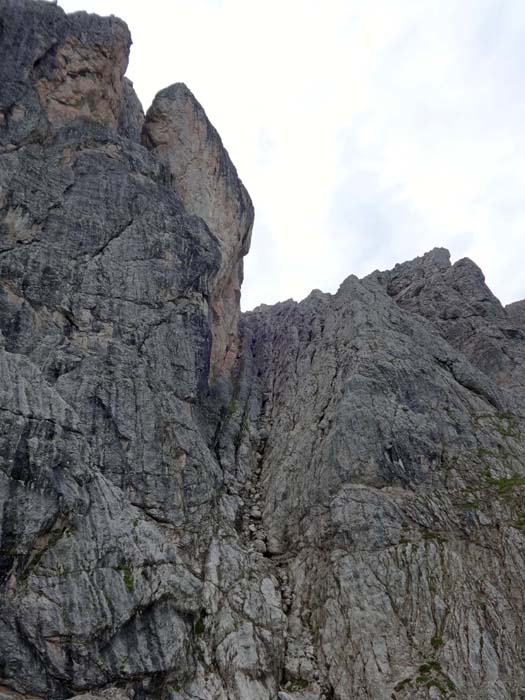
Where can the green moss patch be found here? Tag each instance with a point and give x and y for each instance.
(127, 575)
(430, 536)
(200, 627)
(297, 684)
(505, 485)
(436, 643)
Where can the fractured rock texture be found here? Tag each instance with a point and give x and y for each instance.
(179, 133)
(321, 502)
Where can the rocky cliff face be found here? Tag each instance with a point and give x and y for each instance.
(324, 502)
(179, 134)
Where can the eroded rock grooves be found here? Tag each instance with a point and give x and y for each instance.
(322, 500)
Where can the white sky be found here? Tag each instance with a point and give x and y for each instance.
(366, 131)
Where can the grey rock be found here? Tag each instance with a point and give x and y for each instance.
(457, 301)
(109, 694)
(516, 312)
(382, 421)
(259, 546)
(131, 116)
(376, 435)
(179, 133)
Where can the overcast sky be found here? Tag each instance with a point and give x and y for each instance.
(366, 131)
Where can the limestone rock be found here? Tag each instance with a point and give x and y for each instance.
(457, 301)
(109, 694)
(340, 515)
(259, 546)
(83, 79)
(179, 133)
(58, 68)
(131, 116)
(392, 470)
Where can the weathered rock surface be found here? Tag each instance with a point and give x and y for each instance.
(178, 132)
(57, 68)
(457, 301)
(327, 504)
(392, 480)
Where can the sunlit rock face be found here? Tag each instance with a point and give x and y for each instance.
(312, 501)
(58, 68)
(83, 79)
(179, 133)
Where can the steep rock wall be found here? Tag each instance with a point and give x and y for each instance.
(179, 133)
(327, 506)
(390, 482)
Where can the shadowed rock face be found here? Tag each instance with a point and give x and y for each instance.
(324, 501)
